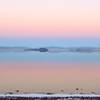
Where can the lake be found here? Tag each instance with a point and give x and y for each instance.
(49, 72)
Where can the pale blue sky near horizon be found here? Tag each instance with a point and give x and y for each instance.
(50, 42)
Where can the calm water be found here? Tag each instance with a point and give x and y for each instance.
(49, 72)
(49, 56)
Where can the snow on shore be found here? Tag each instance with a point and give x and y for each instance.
(48, 95)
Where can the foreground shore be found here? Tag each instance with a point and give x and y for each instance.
(49, 97)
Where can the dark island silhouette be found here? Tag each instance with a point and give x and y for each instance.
(40, 49)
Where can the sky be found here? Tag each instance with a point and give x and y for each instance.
(50, 18)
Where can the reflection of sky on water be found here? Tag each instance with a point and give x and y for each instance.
(47, 72)
(35, 56)
(49, 77)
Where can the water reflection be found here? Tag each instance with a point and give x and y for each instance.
(46, 76)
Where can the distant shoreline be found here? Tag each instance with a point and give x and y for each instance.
(50, 49)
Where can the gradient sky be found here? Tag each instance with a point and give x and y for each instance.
(50, 18)
(24, 22)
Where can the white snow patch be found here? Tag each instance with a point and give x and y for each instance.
(47, 95)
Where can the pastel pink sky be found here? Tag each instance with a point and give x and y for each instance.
(50, 18)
